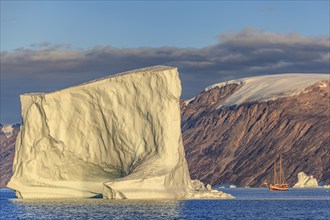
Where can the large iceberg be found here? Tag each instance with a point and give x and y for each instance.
(116, 137)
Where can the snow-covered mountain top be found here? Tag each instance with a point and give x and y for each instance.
(269, 87)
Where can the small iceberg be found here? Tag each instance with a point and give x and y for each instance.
(305, 181)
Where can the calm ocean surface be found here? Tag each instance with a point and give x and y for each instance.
(248, 204)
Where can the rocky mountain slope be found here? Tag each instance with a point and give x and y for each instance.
(232, 138)
(8, 136)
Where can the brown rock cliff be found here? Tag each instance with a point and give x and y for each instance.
(239, 144)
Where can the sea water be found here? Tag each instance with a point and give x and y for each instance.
(249, 203)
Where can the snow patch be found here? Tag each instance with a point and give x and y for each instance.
(189, 100)
(323, 85)
(269, 87)
(222, 84)
(8, 130)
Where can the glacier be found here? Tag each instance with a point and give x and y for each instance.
(118, 137)
(268, 87)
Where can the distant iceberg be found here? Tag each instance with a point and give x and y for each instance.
(305, 181)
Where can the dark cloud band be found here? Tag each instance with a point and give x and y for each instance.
(246, 53)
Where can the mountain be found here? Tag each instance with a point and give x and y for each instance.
(233, 131)
(8, 134)
(3, 136)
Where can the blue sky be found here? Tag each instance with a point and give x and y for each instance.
(85, 24)
(50, 45)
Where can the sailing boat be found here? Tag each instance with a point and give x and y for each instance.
(278, 185)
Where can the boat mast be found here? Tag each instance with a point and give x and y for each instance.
(281, 171)
(283, 176)
(275, 175)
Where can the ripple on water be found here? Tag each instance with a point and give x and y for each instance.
(249, 204)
